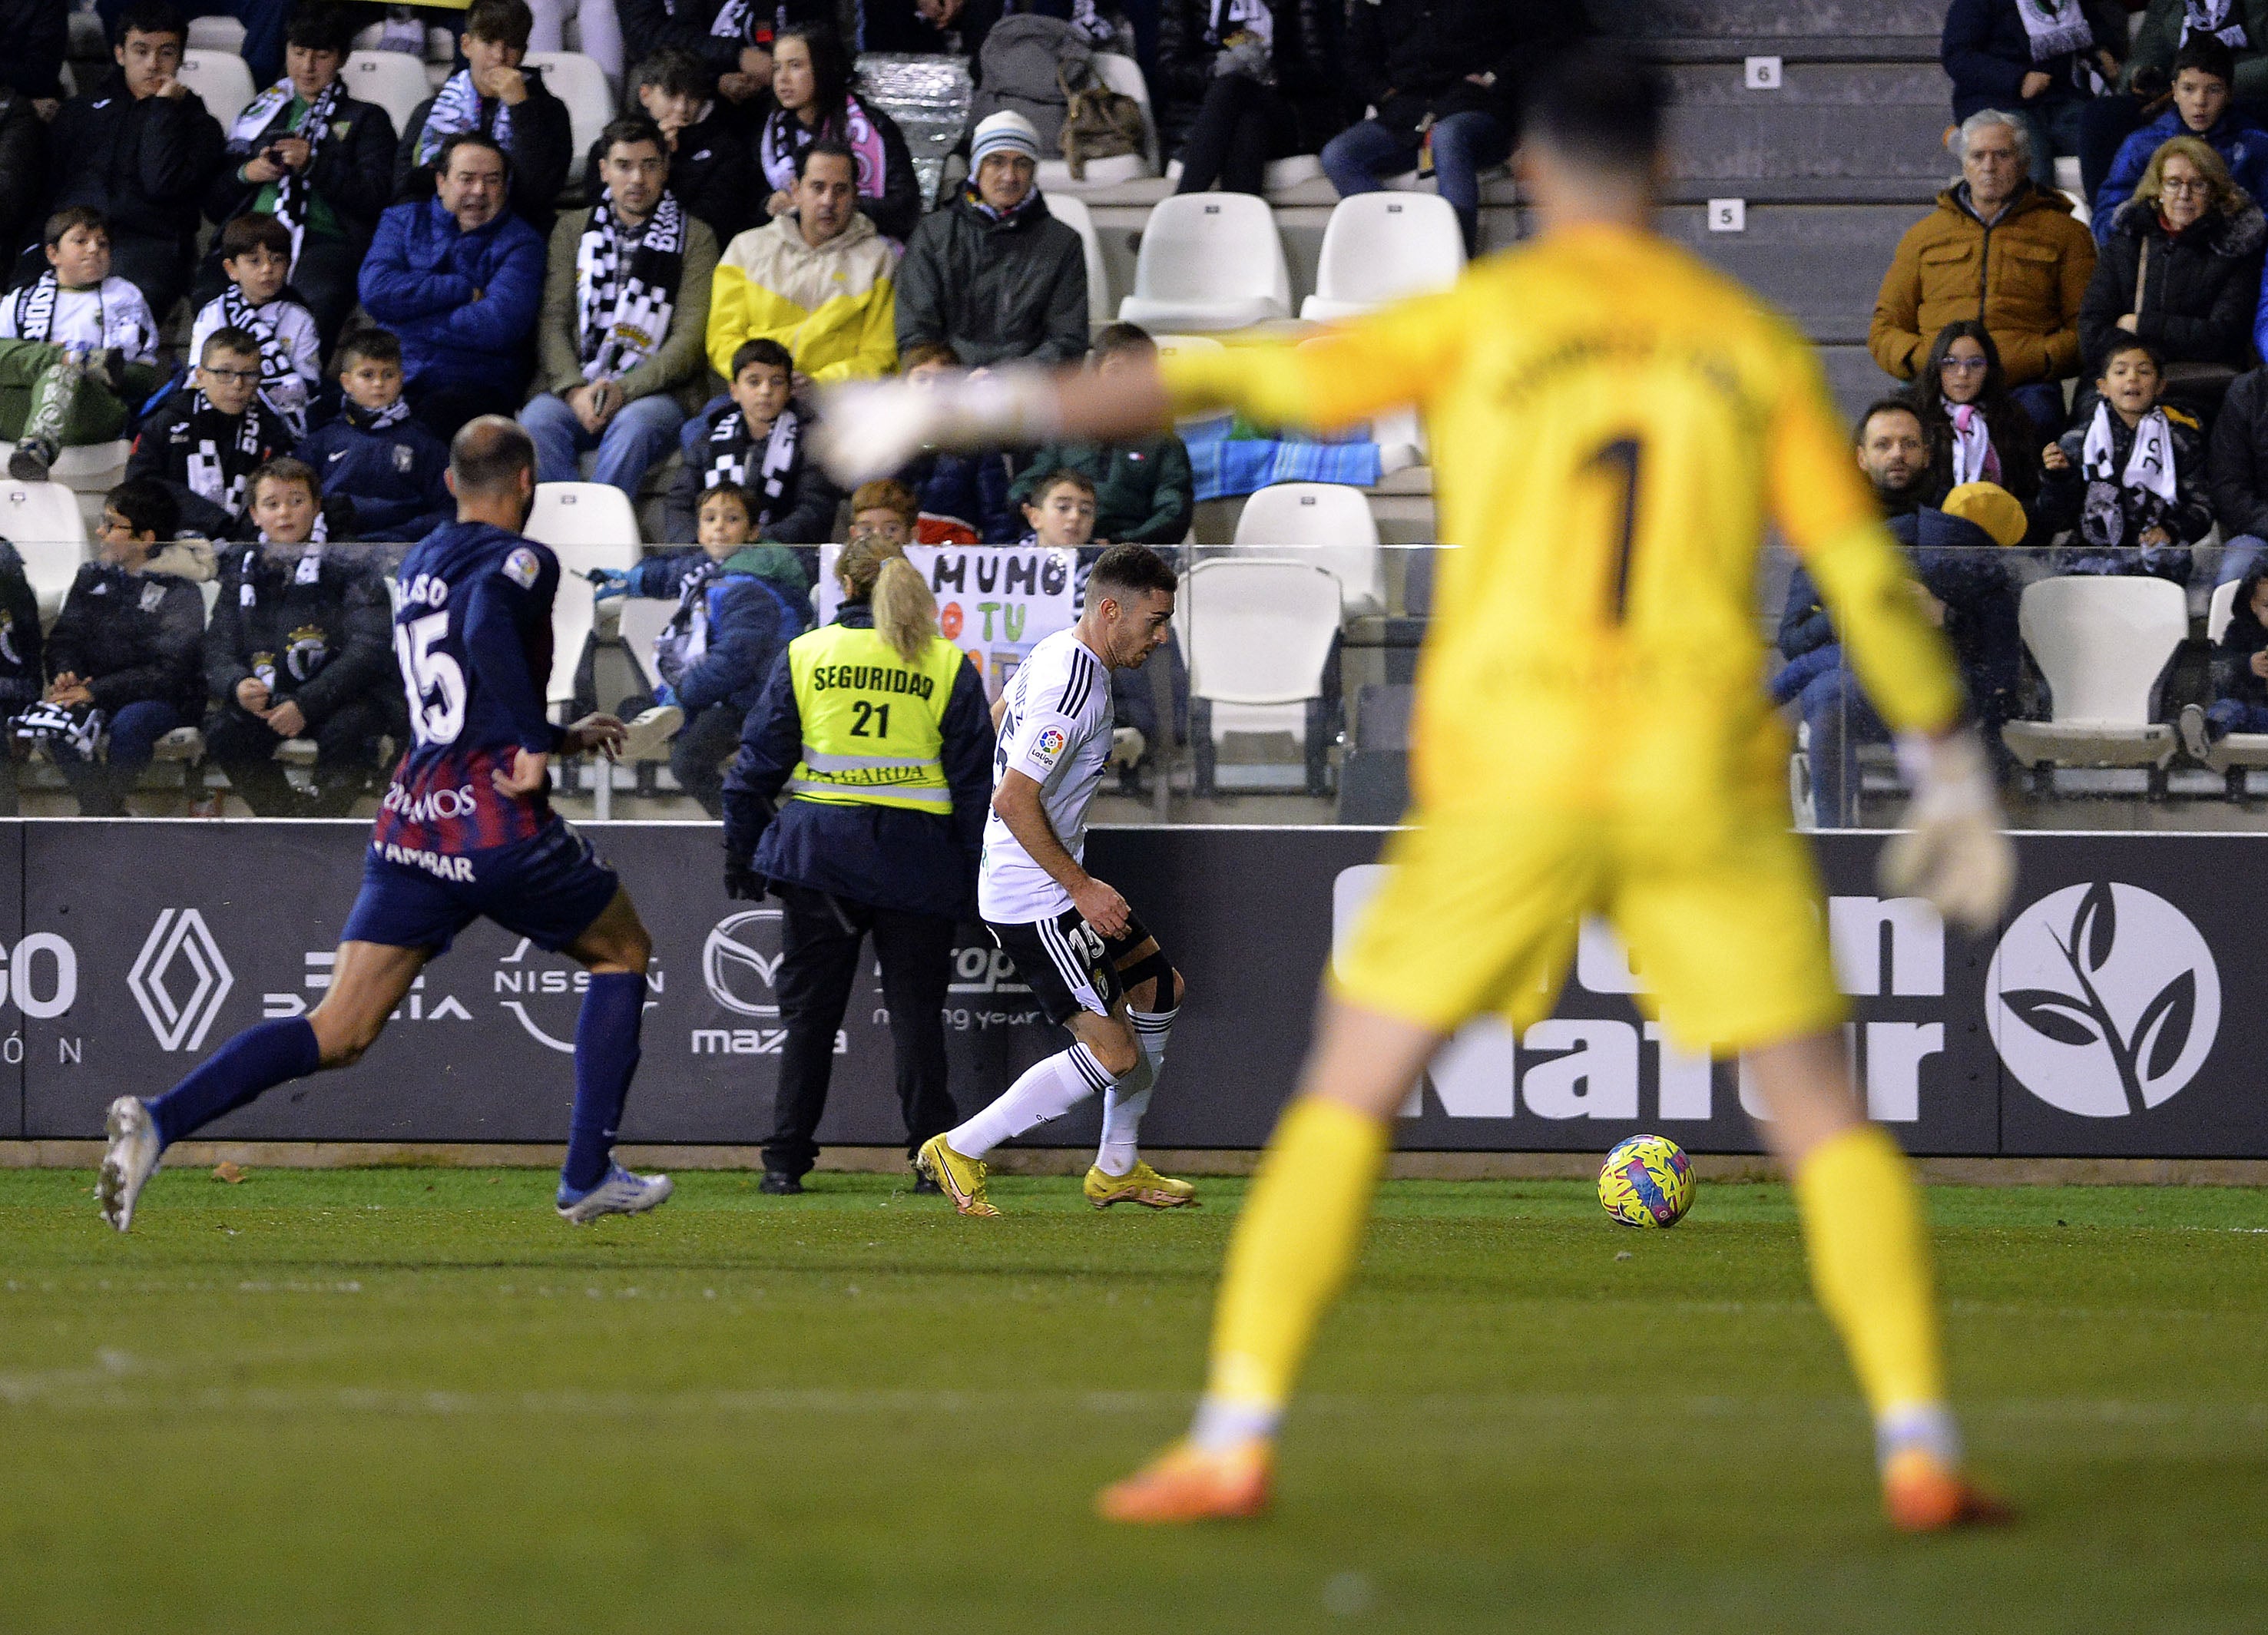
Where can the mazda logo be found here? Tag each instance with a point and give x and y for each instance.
(740, 962)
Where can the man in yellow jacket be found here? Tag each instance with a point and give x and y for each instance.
(1998, 249)
(816, 279)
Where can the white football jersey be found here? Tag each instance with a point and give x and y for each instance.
(1056, 731)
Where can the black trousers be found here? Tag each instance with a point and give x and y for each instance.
(346, 758)
(698, 755)
(1240, 126)
(818, 969)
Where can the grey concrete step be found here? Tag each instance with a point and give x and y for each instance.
(1714, 19)
(1826, 120)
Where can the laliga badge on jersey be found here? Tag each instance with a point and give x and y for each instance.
(1048, 746)
(404, 457)
(521, 567)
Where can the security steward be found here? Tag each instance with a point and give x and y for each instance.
(873, 737)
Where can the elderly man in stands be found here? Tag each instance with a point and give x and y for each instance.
(625, 307)
(818, 280)
(461, 280)
(1998, 247)
(993, 275)
(140, 148)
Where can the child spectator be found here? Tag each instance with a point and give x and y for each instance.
(301, 645)
(391, 468)
(255, 252)
(209, 434)
(78, 348)
(1060, 512)
(2240, 673)
(757, 441)
(885, 512)
(710, 168)
(1144, 494)
(1976, 432)
(497, 98)
(2131, 482)
(22, 680)
(964, 498)
(125, 652)
(739, 605)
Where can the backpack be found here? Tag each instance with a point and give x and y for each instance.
(1098, 123)
(1024, 62)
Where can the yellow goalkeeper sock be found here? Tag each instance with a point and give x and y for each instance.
(1870, 1266)
(1294, 1245)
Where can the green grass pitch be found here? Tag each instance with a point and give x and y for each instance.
(413, 1400)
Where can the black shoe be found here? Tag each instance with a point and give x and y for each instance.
(30, 460)
(779, 1183)
(107, 365)
(925, 1186)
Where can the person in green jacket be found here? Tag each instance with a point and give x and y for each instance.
(1142, 490)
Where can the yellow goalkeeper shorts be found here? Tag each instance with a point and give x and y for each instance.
(1722, 920)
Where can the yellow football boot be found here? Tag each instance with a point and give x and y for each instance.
(1186, 1484)
(1922, 1494)
(1140, 1185)
(962, 1178)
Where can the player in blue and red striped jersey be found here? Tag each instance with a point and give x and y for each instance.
(465, 830)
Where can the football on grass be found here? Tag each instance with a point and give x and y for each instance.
(1647, 1180)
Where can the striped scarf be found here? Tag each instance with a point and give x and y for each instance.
(625, 294)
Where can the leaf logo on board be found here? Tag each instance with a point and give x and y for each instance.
(2103, 999)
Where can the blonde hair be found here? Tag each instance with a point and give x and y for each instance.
(905, 613)
(2209, 164)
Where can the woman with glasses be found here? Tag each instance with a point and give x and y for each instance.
(1976, 432)
(2181, 270)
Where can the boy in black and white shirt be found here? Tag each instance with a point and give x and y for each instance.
(78, 348)
(209, 434)
(1092, 965)
(255, 252)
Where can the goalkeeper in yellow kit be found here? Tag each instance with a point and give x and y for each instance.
(1613, 427)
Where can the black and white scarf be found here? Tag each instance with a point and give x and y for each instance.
(292, 189)
(374, 419)
(1230, 17)
(625, 293)
(282, 387)
(2213, 17)
(458, 108)
(2054, 27)
(227, 453)
(684, 640)
(729, 444)
(34, 313)
(1974, 458)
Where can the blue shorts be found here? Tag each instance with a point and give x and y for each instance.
(548, 889)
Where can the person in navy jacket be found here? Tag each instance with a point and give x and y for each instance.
(2204, 71)
(461, 280)
(1995, 61)
(387, 465)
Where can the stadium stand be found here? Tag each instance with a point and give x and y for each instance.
(1209, 262)
(581, 85)
(2235, 755)
(42, 519)
(395, 82)
(1071, 211)
(221, 81)
(1332, 525)
(1380, 247)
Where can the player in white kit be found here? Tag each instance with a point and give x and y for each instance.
(1094, 969)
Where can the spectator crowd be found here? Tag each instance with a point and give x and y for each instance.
(289, 314)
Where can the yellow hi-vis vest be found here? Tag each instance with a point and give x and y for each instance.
(872, 727)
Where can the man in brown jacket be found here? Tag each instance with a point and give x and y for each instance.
(2000, 247)
(625, 310)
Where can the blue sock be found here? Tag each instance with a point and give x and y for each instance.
(256, 1060)
(606, 1055)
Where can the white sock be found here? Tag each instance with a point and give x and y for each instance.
(1048, 1089)
(1221, 1425)
(1927, 1426)
(1123, 1110)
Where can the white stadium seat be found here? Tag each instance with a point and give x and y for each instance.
(221, 82)
(42, 520)
(1327, 524)
(1124, 75)
(583, 85)
(588, 525)
(217, 33)
(393, 80)
(1258, 632)
(2101, 643)
(1209, 262)
(643, 619)
(1379, 248)
(1071, 211)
